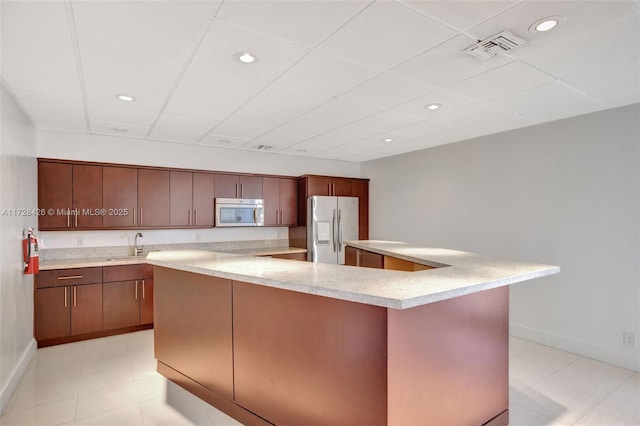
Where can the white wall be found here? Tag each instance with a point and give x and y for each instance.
(17, 190)
(565, 193)
(109, 149)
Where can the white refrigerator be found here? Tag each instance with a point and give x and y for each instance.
(330, 222)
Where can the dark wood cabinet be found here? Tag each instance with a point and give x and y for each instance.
(52, 313)
(153, 198)
(192, 196)
(127, 296)
(120, 197)
(86, 308)
(280, 201)
(235, 186)
(55, 194)
(87, 196)
(363, 258)
(203, 198)
(360, 189)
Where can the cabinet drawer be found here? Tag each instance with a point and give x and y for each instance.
(62, 277)
(127, 272)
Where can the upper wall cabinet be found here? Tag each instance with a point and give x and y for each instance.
(238, 186)
(192, 198)
(70, 195)
(280, 201)
(120, 197)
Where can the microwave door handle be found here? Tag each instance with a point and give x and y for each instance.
(340, 230)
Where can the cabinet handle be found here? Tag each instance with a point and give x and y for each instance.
(140, 217)
(70, 277)
(281, 222)
(134, 217)
(195, 216)
(77, 213)
(66, 296)
(75, 297)
(188, 216)
(237, 196)
(136, 289)
(276, 217)
(241, 191)
(68, 218)
(143, 289)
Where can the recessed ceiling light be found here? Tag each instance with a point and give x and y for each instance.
(546, 24)
(388, 140)
(224, 141)
(246, 57)
(433, 107)
(301, 150)
(118, 129)
(125, 97)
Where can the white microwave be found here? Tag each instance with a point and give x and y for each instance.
(239, 212)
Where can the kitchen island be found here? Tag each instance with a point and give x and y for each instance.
(287, 342)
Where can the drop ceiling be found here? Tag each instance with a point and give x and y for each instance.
(333, 79)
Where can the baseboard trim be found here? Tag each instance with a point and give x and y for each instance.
(625, 358)
(17, 373)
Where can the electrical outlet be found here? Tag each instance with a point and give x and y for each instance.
(80, 241)
(629, 339)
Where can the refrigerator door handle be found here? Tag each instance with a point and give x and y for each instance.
(334, 228)
(340, 230)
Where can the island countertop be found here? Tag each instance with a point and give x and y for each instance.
(456, 273)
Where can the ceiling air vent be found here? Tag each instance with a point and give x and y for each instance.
(262, 147)
(497, 44)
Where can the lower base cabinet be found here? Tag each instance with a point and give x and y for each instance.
(75, 304)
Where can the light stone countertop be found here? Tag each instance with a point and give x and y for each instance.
(466, 273)
(88, 262)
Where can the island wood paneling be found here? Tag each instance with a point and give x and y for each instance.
(301, 359)
(193, 332)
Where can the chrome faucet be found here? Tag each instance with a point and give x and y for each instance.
(137, 251)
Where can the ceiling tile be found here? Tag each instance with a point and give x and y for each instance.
(275, 105)
(447, 64)
(113, 128)
(614, 42)
(341, 112)
(47, 16)
(168, 30)
(222, 141)
(184, 124)
(55, 121)
(34, 101)
(103, 93)
(295, 131)
(581, 17)
(346, 134)
(306, 22)
(176, 136)
(388, 120)
(38, 61)
(423, 129)
(460, 14)
(510, 78)
(134, 72)
(223, 41)
(123, 114)
(606, 83)
(387, 90)
(234, 130)
(325, 74)
(449, 101)
(549, 102)
(386, 34)
(210, 94)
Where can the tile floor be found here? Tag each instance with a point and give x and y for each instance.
(112, 381)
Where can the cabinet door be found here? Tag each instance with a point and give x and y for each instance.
(342, 187)
(318, 185)
(271, 192)
(288, 202)
(227, 186)
(146, 301)
(54, 192)
(251, 187)
(371, 260)
(360, 189)
(86, 308)
(351, 256)
(119, 195)
(181, 198)
(120, 304)
(153, 197)
(52, 313)
(203, 195)
(87, 196)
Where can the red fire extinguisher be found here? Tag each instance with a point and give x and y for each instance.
(30, 253)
